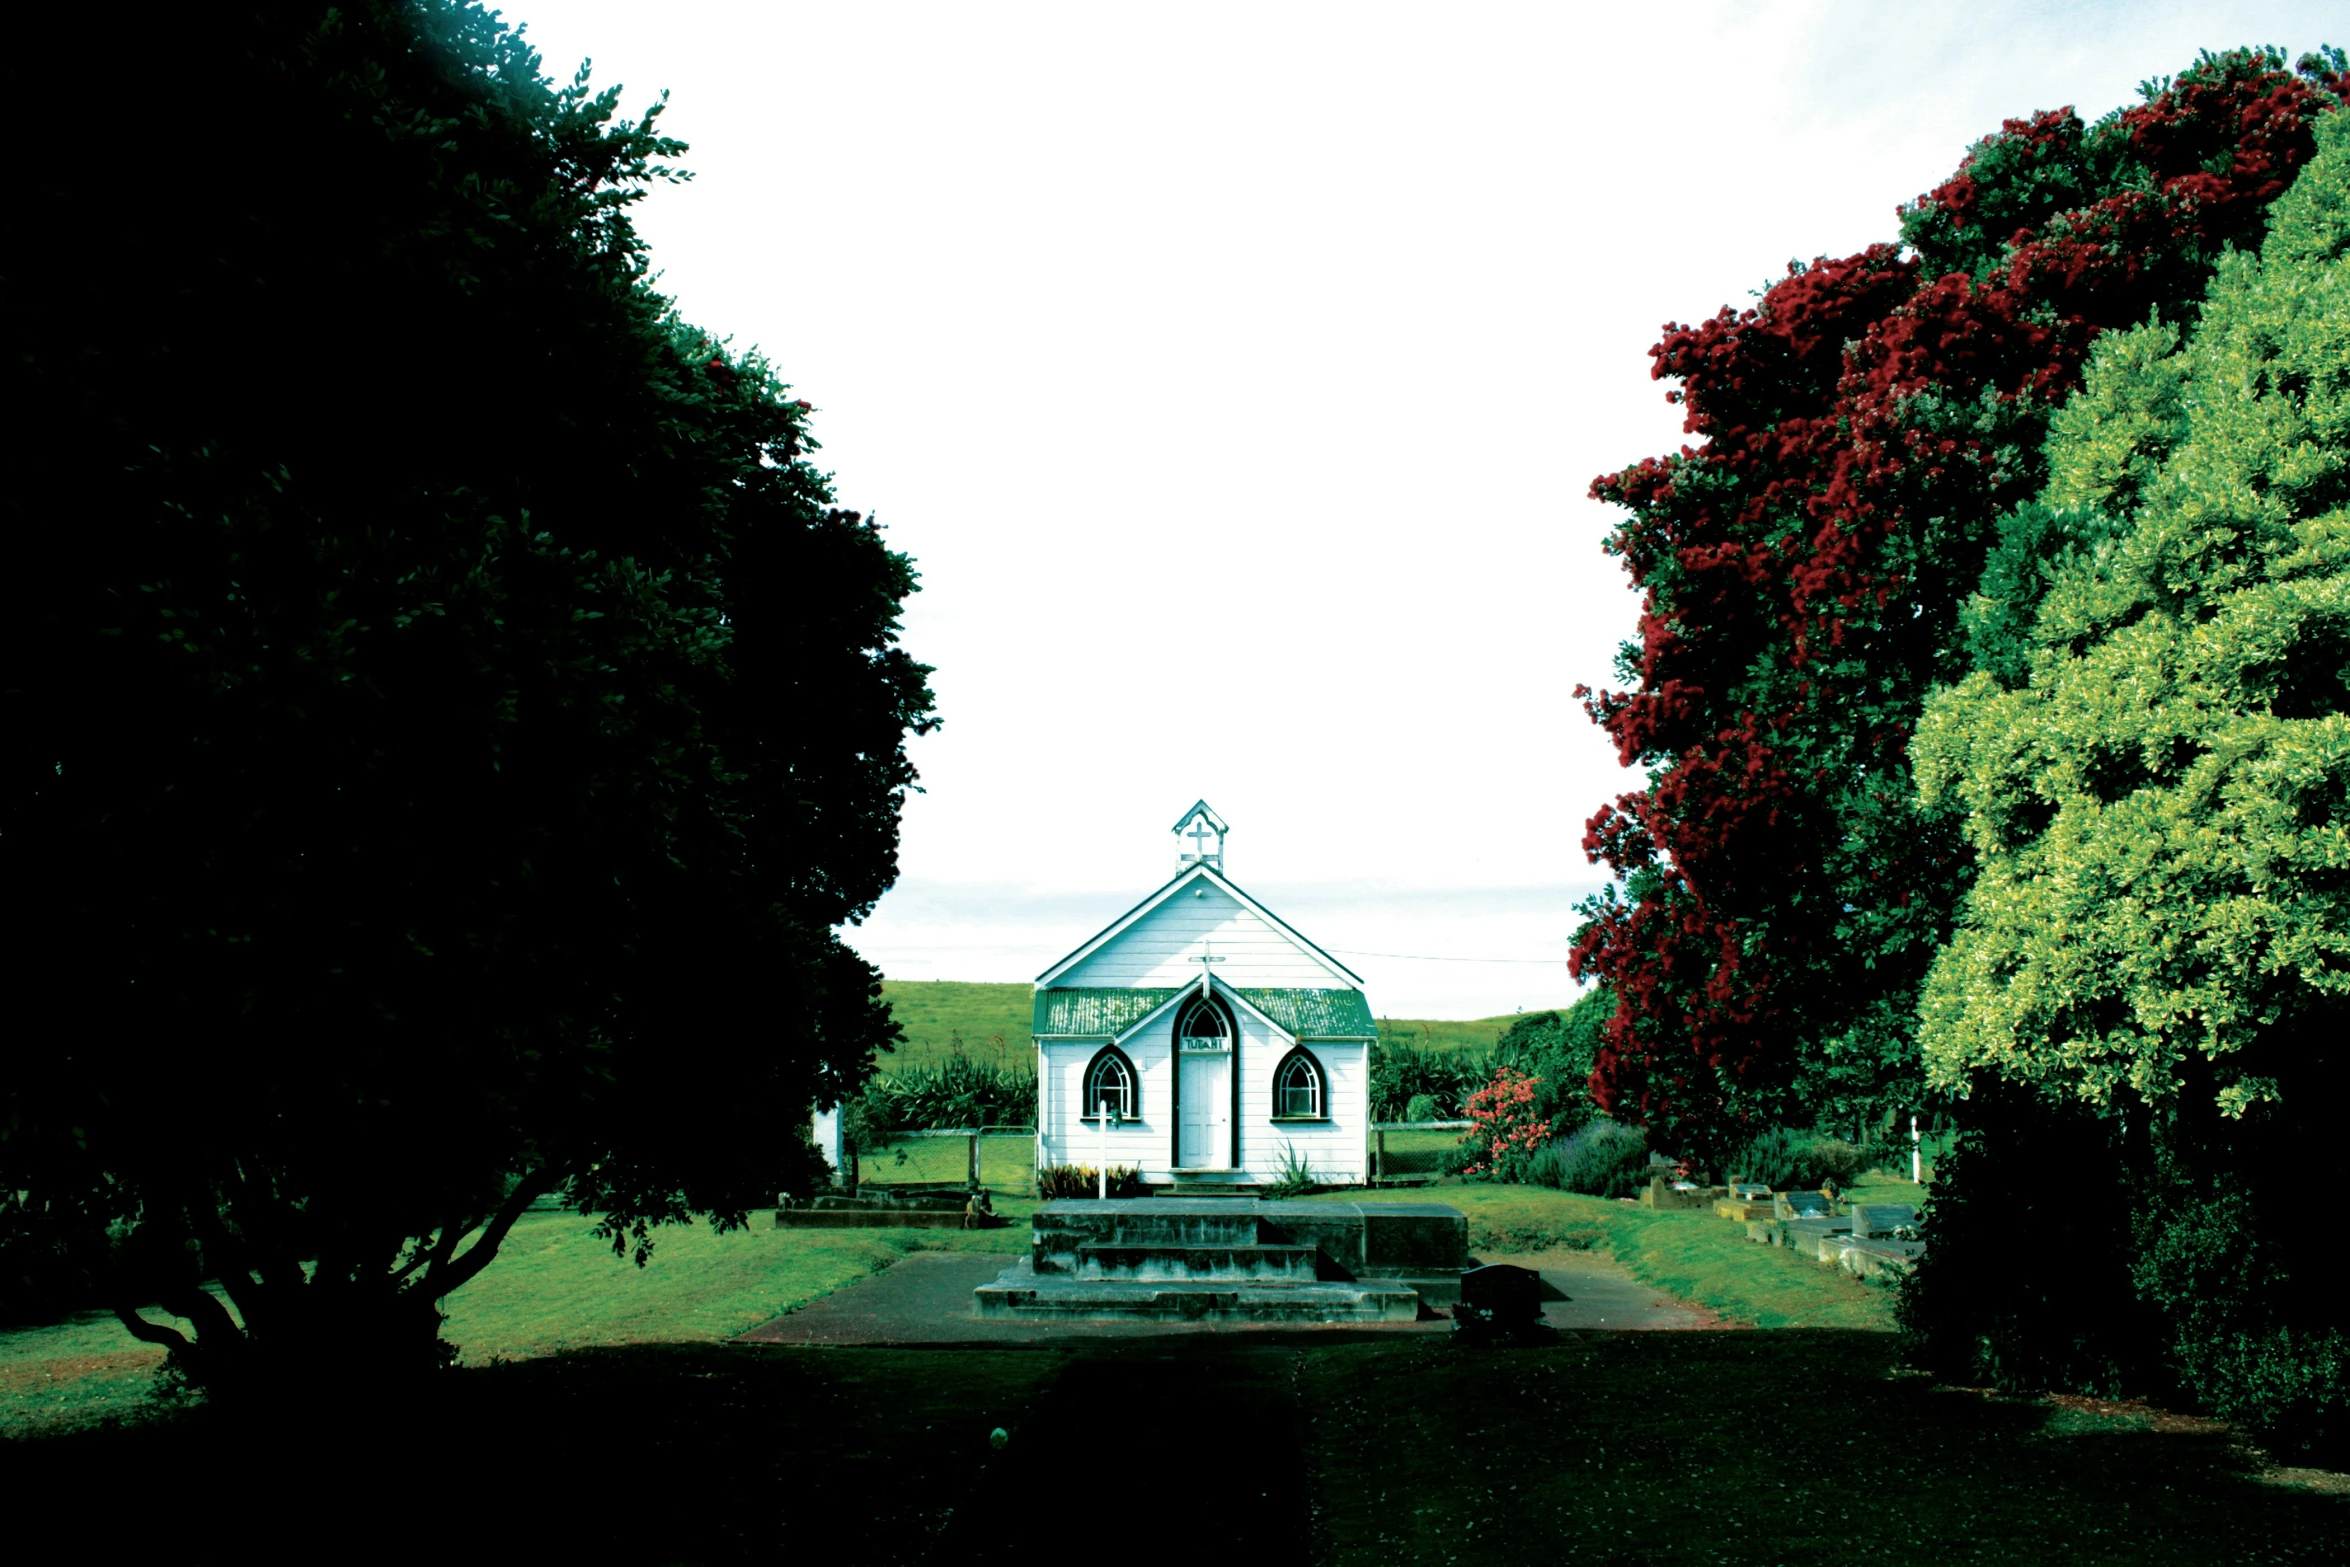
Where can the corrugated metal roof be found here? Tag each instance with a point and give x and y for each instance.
(1316, 1014)
(1305, 1014)
(1091, 1011)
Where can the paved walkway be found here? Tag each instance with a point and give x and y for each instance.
(926, 1299)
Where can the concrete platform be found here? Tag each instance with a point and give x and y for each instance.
(1226, 1259)
(925, 1299)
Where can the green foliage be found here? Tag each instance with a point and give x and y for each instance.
(456, 718)
(1296, 1176)
(2152, 971)
(1403, 1074)
(1084, 1180)
(1603, 1159)
(1424, 1107)
(952, 1090)
(2158, 813)
(1786, 1160)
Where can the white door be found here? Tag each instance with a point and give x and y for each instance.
(1207, 1110)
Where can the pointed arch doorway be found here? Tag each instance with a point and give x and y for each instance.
(1206, 1087)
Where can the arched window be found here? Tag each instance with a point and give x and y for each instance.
(1111, 1077)
(1203, 1026)
(1298, 1088)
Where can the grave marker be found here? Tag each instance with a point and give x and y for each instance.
(1803, 1205)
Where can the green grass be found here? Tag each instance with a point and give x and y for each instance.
(1803, 1446)
(653, 1453)
(1006, 1164)
(554, 1288)
(1690, 1253)
(988, 1018)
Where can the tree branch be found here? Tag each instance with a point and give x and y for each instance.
(148, 1332)
(210, 1316)
(484, 1251)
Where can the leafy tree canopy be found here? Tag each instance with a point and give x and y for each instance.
(2154, 772)
(1864, 427)
(446, 718)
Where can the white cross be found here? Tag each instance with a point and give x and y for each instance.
(1207, 955)
(1199, 839)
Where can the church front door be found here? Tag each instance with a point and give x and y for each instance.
(1207, 1110)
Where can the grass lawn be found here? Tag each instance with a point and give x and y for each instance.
(1802, 1446)
(1006, 1164)
(554, 1288)
(1686, 1252)
(655, 1453)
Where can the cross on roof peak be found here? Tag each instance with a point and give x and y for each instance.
(1199, 825)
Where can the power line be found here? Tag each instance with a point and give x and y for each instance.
(1421, 957)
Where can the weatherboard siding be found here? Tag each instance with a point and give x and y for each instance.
(1337, 1149)
(1157, 949)
(1148, 1143)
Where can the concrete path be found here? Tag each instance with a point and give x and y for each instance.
(926, 1299)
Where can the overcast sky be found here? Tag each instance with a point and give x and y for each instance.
(1235, 374)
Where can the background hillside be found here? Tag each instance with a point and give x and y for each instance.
(990, 1019)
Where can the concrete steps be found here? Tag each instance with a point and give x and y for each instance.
(1255, 1263)
(1021, 1292)
(1216, 1259)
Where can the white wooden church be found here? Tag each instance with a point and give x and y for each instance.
(1202, 1040)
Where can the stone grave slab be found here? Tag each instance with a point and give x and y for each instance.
(1802, 1205)
(1867, 1258)
(1878, 1220)
(1805, 1235)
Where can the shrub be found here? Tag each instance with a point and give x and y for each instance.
(1787, 1160)
(1603, 1159)
(1510, 1127)
(1297, 1176)
(1423, 1107)
(958, 1090)
(1083, 1180)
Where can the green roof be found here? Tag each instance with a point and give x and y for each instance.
(1304, 1014)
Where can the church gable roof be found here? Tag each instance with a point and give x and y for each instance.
(1156, 944)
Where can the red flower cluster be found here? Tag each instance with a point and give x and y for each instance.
(1509, 1127)
(1864, 426)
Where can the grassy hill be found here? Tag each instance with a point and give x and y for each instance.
(994, 1018)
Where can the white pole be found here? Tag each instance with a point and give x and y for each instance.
(1103, 1174)
(1917, 1157)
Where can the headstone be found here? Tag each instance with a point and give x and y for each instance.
(1749, 1191)
(1803, 1205)
(1878, 1220)
(1500, 1299)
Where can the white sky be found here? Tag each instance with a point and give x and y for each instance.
(1235, 373)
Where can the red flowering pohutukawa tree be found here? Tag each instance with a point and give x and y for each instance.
(1864, 428)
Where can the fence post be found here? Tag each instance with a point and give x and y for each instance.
(1379, 1160)
(975, 1156)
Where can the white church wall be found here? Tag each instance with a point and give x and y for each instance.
(1066, 1138)
(1334, 1148)
(1157, 949)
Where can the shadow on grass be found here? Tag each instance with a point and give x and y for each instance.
(648, 1454)
(1743, 1447)
(1788, 1446)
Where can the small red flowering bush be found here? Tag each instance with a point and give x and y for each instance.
(1511, 1127)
